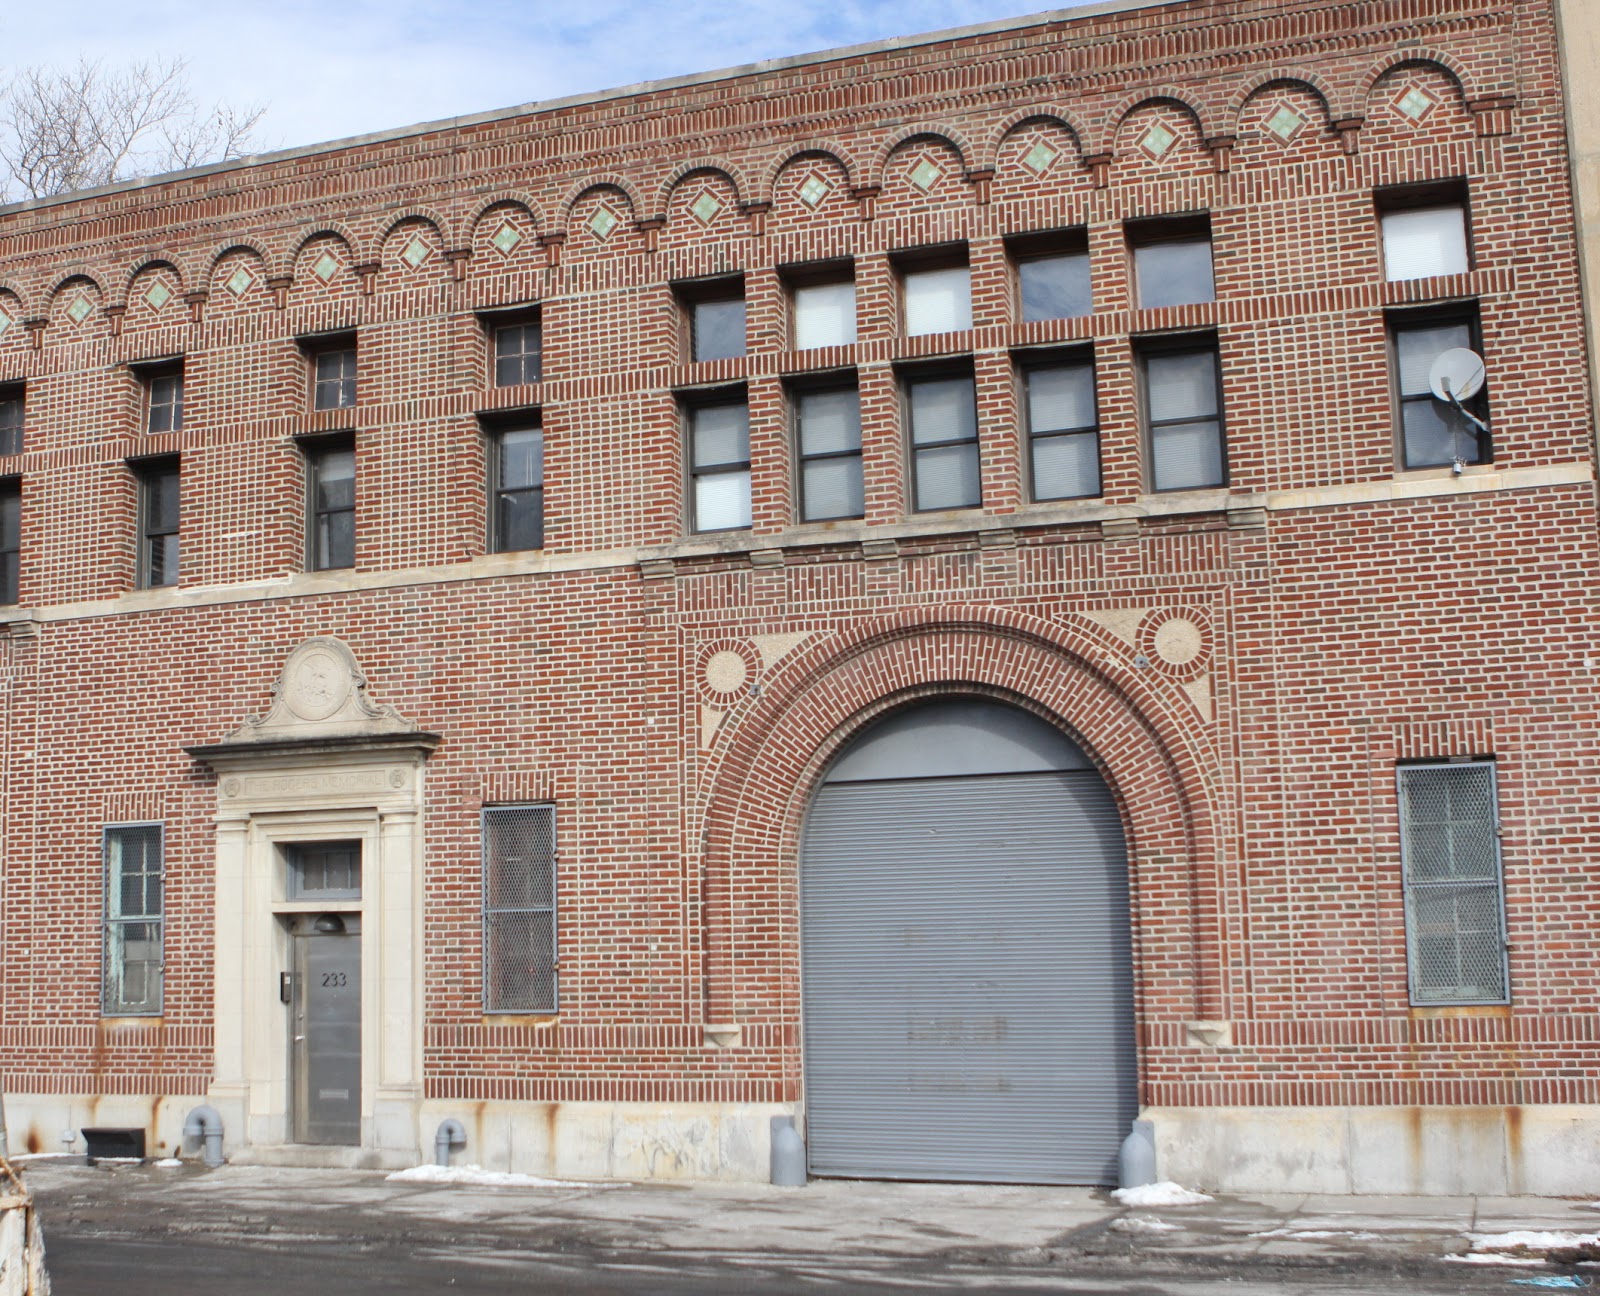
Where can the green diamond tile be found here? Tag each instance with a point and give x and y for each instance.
(506, 238)
(239, 282)
(705, 208)
(80, 309)
(926, 174)
(602, 223)
(1039, 157)
(1416, 103)
(325, 266)
(813, 190)
(157, 295)
(415, 252)
(1285, 123)
(1158, 141)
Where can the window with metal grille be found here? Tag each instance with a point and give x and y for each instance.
(158, 523)
(10, 539)
(719, 465)
(518, 353)
(1063, 429)
(944, 442)
(516, 467)
(323, 870)
(131, 976)
(1455, 900)
(828, 428)
(519, 909)
(163, 399)
(11, 410)
(333, 384)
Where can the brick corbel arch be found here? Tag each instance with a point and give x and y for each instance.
(816, 703)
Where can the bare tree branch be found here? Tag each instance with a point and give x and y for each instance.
(73, 128)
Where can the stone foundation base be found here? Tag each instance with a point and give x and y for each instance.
(1429, 1151)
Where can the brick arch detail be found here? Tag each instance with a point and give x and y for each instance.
(1417, 56)
(944, 133)
(159, 261)
(517, 198)
(1300, 78)
(1192, 107)
(835, 152)
(812, 708)
(685, 171)
(1016, 121)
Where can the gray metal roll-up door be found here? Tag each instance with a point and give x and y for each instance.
(968, 991)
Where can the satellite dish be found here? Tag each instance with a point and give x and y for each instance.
(1456, 375)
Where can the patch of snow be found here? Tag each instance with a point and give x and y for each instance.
(168, 1163)
(1489, 1258)
(22, 1157)
(119, 1160)
(1144, 1224)
(1359, 1235)
(1165, 1193)
(477, 1175)
(1532, 1240)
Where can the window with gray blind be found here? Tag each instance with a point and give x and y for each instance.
(10, 539)
(1432, 433)
(1420, 242)
(1454, 890)
(828, 429)
(938, 299)
(131, 972)
(519, 909)
(824, 315)
(11, 411)
(719, 465)
(944, 442)
(1063, 429)
(1183, 418)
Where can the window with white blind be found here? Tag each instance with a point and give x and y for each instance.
(1421, 242)
(944, 442)
(1183, 417)
(1454, 888)
(719, 464)
(519, 909)
(1063, 429)
(828, 431)
(824, 315)
(938, 299)
(131, 972)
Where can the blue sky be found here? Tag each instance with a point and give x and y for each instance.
(332, 68)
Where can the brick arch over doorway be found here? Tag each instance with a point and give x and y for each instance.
(1151, 753)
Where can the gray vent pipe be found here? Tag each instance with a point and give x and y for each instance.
(452, 1133)
(206, 1123)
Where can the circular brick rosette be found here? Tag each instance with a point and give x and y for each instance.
(724, 671)
(1177, 642)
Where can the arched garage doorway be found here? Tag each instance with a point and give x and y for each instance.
(966, 955)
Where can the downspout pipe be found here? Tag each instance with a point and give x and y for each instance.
(206, 1123)
(452, 1133)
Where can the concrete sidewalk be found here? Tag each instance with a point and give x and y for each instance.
(915, 1228)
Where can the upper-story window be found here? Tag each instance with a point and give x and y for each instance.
(1433, 433)
(714, 314)
(163, 397)
(942, 410)
(828, 435)
(333, 375)
(1172, 261)
(1063, 428)
(518, 350)
(11, 411)
(936, 293)
(824, 310)
(158, 523)
(719, 463)
(1183, 415)
(10, 539)
(516, 486)
(1052, 275)
(331, 504)
(1424, 232)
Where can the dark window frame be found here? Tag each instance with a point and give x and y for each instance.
(1416, 320)
(1416, 889)
(160, 395)
(315, 451)
(498, 326)
(1158, 231)
(332, 392)
(690, 404)
(1172, 345)
(13, 417)
(1069, 242)
(822, 385)
(10, 541)
(910, 377)
(495, 430)
(544, 959)
(149, 474)
(693, 294)
(115, 922)
(1451, 191)
(1030, 362)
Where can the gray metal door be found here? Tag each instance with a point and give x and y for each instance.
(325, 1048)
(968, 986)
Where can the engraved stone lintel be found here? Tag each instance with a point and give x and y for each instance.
(723, 1036)
(766, 557)
(1209, 1034)
(657, 569)
(877, 550)
(1003, 538)
(321, 694)
(1119, 529)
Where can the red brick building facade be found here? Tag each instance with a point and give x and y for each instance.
(536, 481)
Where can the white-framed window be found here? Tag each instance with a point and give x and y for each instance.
(1454, 885)
(1421, 242)
(1183, 416)
(519, 909)
(1063, 428)
(131, 969)
(824, 314)
(828, 437)
(938, 298)
(719, 464)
